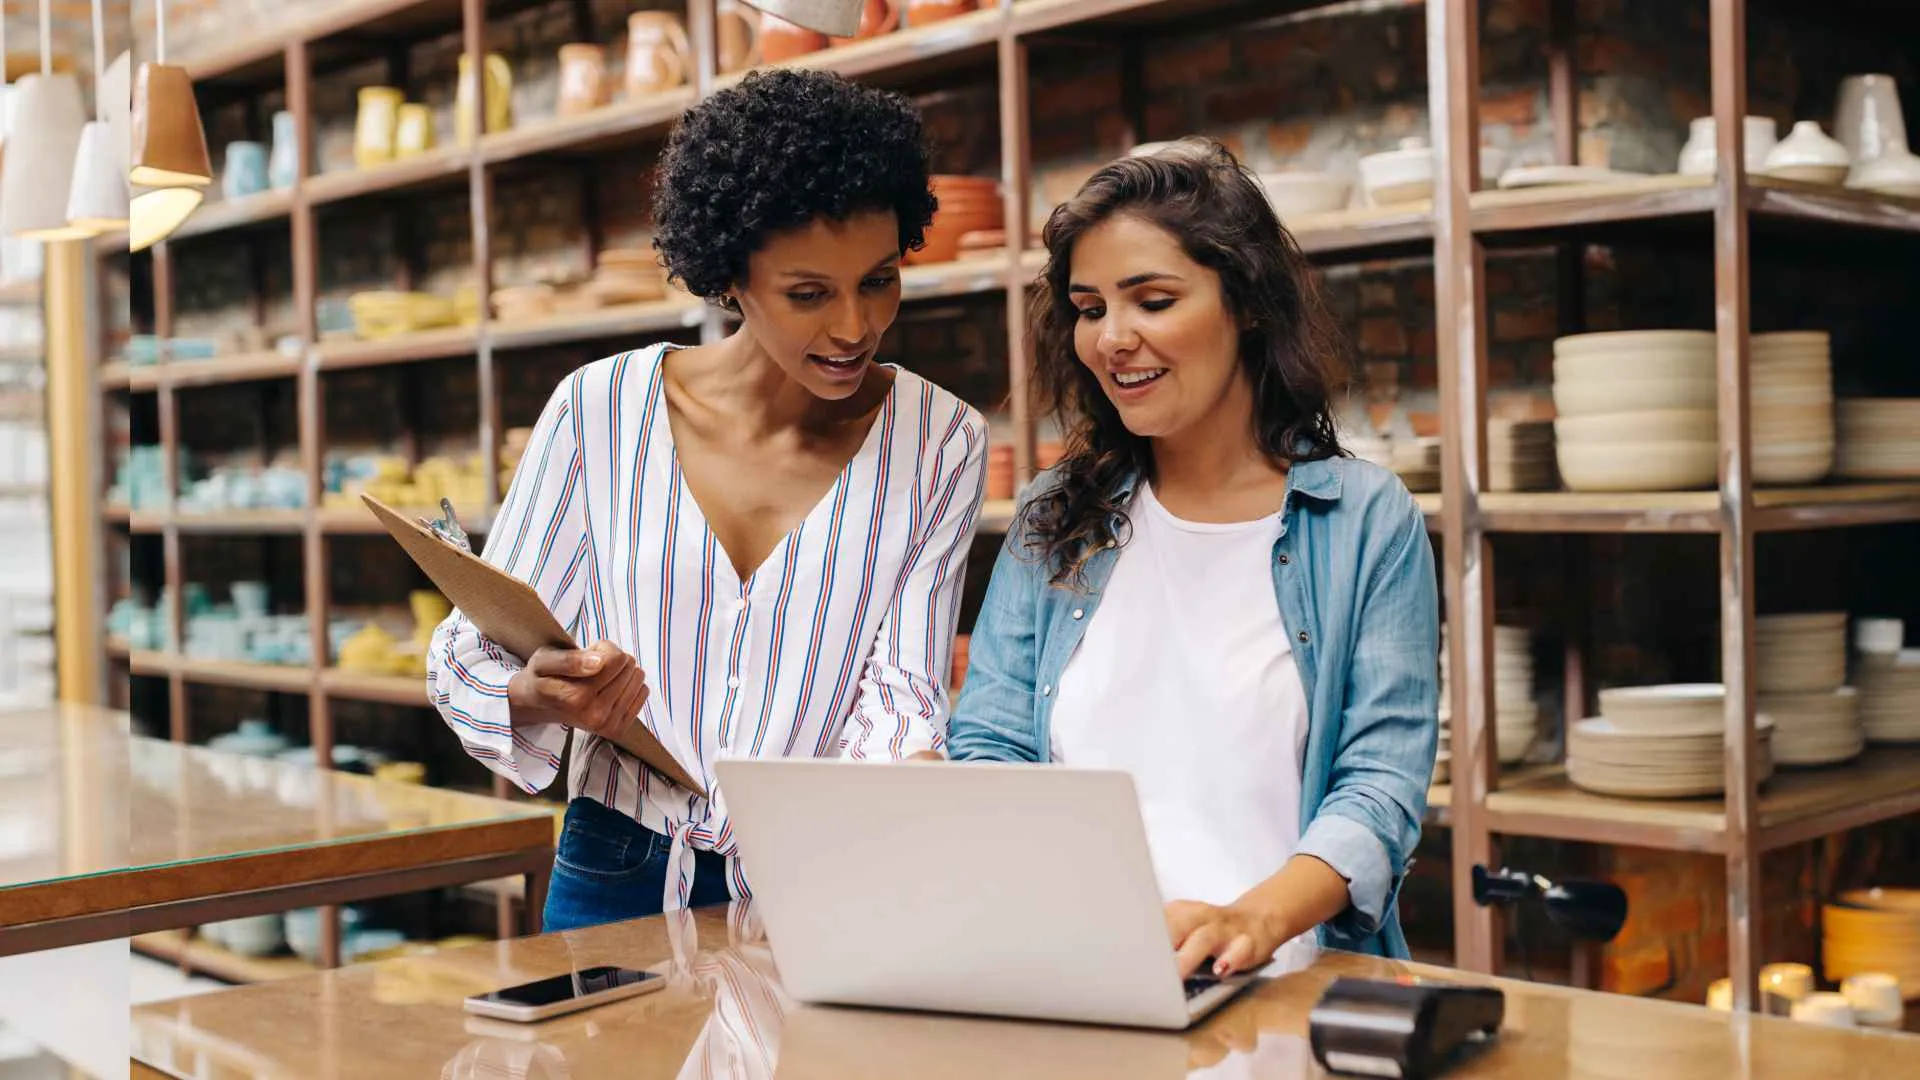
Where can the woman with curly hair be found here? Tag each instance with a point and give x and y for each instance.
(1205, 592)
(764, 537)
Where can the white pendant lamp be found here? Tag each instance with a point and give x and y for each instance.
(98, 200)
(168, 164)
(834, 18)
(156, 212)
(37, 174)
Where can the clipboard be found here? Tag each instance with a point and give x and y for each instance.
(510, 614)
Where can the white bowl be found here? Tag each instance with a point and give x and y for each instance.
(1653, 425)
(1638, 466)
(1588, 397)
(1613, 341)
(1665, 706)
(1397, 176)
(1295, 193)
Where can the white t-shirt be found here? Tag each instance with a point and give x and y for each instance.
(1185, 678)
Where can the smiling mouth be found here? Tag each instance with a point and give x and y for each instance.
(1130, 379)
(839, 363)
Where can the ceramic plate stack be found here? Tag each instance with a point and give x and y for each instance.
(1877, 439)
(1520, 455)
(1800, 664)
(1637, 410)
(1516, 715)
(1867, 930)
(1416, 461)
(1792, 407)
(1657, 742)
(1890, 696)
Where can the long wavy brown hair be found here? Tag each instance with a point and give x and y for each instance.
(1291, 349)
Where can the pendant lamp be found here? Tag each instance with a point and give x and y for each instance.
(169, 145)
(98, 201)
(37, 173)
(834, 18)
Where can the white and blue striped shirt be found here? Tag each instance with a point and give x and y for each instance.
(839, 643)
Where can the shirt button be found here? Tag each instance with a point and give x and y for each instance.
(1079, 613)
(733, 681)
(1302, 635)
(1283, 559)
(1047, 690)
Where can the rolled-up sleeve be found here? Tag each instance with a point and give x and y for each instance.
(902, 705)
(1368, 824)
(540, 537)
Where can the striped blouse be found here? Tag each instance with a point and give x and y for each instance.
(839, 643)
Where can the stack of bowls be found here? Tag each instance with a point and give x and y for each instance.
(627, 276)
(1800, 668)
(1516, 716)
(1877, 439)
(967, 204)
(1658, 742)
(1636, 410)
(1889, 686)
(1520, 455)
(1873, 931)
(1792, 407)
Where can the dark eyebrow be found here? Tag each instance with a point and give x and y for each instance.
(1128, 283)
(804, 274)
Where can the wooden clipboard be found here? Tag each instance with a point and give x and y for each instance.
(510, 614)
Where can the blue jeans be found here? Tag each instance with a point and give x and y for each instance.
(609, 868)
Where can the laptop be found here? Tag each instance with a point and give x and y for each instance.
(991, 889)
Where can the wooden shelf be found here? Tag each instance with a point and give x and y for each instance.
(203, 957)
(23, 354)
(115, 512)
(1795, 806)
(237, 213)
(1183, 16)
(612, 322)
(996, 517)
(215, 522)
(1365, 229)
(117, 647)
(239, 367)
(389, 689)
(357, 520)
(918, 50)
(425, 345)
(960, 277)
(1776, 509)
(20, 291)
(619, 122)
(284, 678)
(438, 166)
(147, 522)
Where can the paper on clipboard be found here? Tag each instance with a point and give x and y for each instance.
(510, 614)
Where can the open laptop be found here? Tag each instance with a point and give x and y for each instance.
(1005, 890)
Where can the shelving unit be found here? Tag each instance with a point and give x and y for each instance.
(1456, 229)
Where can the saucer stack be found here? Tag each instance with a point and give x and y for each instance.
(1658, 742)
(1873, 931)
(627, 276)
(1889, 686)
(1800, 666)
(1520, 455)
(1877, 439)
(1793, 440)
(1637, 410)
(1516, 715)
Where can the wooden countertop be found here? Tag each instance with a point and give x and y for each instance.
(725, 1014)
(114, 822)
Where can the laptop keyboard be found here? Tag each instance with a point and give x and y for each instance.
(1200, 985)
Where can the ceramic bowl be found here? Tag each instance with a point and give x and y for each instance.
(1650, 364)
(1293, 194)
(1891, 174)
(1666, 707)
(1638, 466)
(1399, 176)
(1670, 425)
(1588, 397)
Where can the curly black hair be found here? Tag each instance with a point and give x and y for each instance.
(775, 151)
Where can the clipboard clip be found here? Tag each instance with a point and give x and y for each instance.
(448, 528)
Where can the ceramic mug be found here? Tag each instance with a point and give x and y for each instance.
(583, 78)
(737, 28)
(413, 132)
(283, 164)
(375, 124)
(246, 171)
(1867, 119)
(658, 52)
(498, 76)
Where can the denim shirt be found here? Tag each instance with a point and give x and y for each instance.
(1353, 573)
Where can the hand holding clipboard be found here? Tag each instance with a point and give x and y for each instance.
(510, 614)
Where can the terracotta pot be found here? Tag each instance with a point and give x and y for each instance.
(1000, 472)
(658, 53)
(876, 18)
(1048, 454)
(583, 79)
(928, 12)
(737, 28)
(782, 40)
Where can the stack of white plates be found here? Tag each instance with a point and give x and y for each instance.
(1416, 461)
(1873, 930)
(1520, 455)
(1878, 439)
(1818, 728)
(1658, 742)
(1792, 407)
(1890, 695)
(1516, 715)
(1637, 410)
(1800, 653)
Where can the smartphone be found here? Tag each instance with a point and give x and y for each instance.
(563, 994)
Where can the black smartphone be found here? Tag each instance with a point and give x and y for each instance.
(563, 994)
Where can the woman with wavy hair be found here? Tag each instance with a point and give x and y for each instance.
(1206, 592)
(763, 537)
